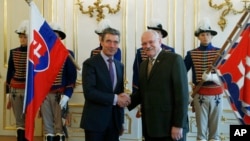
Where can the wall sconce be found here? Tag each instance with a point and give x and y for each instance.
(228, 7)
(98, 7)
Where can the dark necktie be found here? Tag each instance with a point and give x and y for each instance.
(150, 65)
(111, 71)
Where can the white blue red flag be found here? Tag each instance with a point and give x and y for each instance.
(235, 73)
(46, 56)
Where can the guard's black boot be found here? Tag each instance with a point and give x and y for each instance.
(60, 138)
(21, 135)
(49, 138)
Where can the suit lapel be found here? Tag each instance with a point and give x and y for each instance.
(102, 64)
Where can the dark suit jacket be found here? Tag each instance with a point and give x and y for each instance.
(163, 95)
(99, 95)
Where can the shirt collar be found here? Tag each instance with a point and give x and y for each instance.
(105, 57)
(154, 58)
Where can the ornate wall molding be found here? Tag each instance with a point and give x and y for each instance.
(99, 8)
(226, 7)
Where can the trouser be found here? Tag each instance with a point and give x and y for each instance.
(52, 118)
(208, 111)
(16, 98)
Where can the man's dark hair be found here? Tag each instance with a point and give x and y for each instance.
(110, 31)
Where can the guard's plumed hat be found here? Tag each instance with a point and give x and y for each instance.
(105, 23)
(56, 28)
(204, 26)
(23, 28)
(155, 24)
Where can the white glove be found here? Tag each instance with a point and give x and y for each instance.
(8, 106)
(211, 77)
(207, 76)
(8, 96)
(79, 71)
(216, 79)
(190, 90)
(63, 101)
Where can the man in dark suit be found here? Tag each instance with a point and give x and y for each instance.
(163, 92)
(155, 24)
(103, 112)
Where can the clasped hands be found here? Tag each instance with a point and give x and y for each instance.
(123, 100)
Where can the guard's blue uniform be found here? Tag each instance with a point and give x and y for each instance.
(208, 100)
(15, 86)
(16, 74)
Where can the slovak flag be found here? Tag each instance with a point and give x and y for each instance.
(235, 73)
(46, 56)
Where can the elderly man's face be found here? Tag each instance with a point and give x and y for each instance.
(151, 43)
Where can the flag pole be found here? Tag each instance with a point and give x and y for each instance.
(74, 62)
(28, 1)
(229, 40)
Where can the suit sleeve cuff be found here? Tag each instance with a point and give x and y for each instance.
(115, 99)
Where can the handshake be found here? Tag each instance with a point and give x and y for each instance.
(123, 100)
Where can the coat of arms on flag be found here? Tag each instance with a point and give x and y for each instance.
(234, 70)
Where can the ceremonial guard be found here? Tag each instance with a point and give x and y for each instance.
(16, 78)
(60, 92)
(208, 100)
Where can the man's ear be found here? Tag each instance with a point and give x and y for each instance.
(160, 40)
(101, 42)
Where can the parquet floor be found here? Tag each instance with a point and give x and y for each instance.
(13, 138)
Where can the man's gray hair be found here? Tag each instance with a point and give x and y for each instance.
(156, 34)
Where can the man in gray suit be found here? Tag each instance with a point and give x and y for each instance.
(163, 92)
(103, 86)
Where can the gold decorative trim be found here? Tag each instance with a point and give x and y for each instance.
(175, 23)
(169, 20)
(228, 8)
(128, 124)
(75, 39)
(184, 27)
(124, 43)
(5, 33)
(145, 14)
(197, 10)
(136, 26)
(98, 7)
